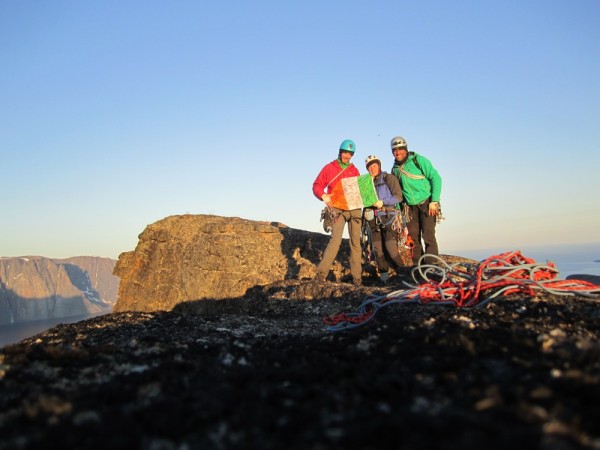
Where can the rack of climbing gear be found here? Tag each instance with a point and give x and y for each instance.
(439, 217)
(400, 227)
(328, 218)
(468, 285)
(392, 219)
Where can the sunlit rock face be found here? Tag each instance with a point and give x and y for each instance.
(195, 257)
(38, 288)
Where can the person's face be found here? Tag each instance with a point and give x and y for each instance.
(374, 169)
(345, 156)
(400, 153)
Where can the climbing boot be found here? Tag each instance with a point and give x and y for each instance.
(320, 277)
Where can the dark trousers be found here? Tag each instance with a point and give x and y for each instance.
(385, 241)
(384, 237)
(421, 226)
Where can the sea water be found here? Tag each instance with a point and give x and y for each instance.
(13, 333)
(569, 260)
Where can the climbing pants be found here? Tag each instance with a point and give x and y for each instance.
(354, 219)
(422, 226)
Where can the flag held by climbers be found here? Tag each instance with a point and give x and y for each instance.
(354, 193)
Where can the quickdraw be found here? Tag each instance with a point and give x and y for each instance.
(464, 286)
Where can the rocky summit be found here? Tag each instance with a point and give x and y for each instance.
(261, 370)
(197, 257)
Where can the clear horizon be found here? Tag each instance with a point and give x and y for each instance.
(591, 248)
(117, 115)
(569, 258)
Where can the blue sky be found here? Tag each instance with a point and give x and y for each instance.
(116, 114)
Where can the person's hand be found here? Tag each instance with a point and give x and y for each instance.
(434, 207)
(378, 204)
(327, 199)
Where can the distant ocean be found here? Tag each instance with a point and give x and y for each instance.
(13, 333)
(569, 259)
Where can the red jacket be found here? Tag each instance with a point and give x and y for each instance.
(327, 175)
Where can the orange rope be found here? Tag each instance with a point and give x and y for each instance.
(503, 274)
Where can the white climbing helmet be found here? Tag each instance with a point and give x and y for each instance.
(371, 159)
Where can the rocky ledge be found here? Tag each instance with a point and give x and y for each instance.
(262, 372)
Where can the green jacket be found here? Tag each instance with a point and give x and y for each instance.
(418, 185)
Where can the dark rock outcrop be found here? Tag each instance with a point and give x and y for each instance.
(594, 279)
(193, 257)
(37, 288)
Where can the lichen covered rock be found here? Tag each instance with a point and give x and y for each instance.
(197, 257)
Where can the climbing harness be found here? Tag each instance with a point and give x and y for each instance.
(468, 285)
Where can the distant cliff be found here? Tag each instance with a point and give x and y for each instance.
(39, 288)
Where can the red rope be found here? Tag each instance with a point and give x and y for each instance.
(511, 272)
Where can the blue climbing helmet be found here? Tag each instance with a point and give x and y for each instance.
(348, 146)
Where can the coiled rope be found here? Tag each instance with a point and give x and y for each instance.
(468, 285)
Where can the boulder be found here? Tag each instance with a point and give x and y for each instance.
(185, 258)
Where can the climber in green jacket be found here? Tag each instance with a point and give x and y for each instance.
(421, 189)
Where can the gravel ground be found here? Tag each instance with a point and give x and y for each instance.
(264, 373)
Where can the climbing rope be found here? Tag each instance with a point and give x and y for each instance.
(467, 285)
